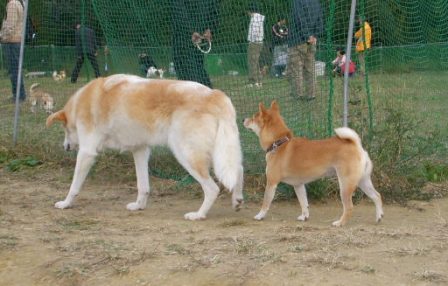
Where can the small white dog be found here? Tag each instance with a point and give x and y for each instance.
(130, 113)
(59, 76)
(154, 73)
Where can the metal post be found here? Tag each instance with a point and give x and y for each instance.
(19, 73)
(348, 53)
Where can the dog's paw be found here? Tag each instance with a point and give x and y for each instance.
(303, 217)
(237, 203)
(379, 217)
(337, 223)
(134, 206)
(62, 205)
(260, 216)
(194, 216)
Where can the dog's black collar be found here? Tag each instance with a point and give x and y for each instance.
(277, 144)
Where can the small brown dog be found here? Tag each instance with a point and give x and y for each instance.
(297, 161)
(39, 98)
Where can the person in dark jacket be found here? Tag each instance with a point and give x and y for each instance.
(306, 25)
(192, 22)
(86, 43)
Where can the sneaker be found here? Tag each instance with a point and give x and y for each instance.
(258, 85)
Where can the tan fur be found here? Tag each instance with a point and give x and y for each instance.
(300, 161)
(133, 114)
(40, 99)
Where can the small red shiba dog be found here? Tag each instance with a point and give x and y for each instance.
(297, 161)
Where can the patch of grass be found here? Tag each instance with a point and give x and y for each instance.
(176, 249)
(8, 242)
(430, 276)
(367, 269)
(232, 223)
(76, 224)
(17, 164)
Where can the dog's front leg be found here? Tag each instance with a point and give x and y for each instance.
(141, 157)
(303, 201)
(84, 162)
(269, 193)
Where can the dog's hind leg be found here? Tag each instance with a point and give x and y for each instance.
(348, 179)
(303, 201)
(141, 157)
(367, 187)
(84, 162)
(197, 164)
(269, 194)
(347, 203)
(211, 191)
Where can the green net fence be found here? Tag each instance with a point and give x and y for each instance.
(398, 96)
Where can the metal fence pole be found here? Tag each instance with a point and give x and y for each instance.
(348, 54)
(19, 73)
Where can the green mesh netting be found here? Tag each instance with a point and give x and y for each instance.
(405, 68)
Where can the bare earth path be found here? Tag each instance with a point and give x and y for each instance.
(99, 242)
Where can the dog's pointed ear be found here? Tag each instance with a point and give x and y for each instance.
(60, 115)
(274, 105)
(261, 107)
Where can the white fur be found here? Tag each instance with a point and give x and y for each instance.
(154, 73)
(211, 135)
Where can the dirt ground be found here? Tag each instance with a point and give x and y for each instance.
(99, 242)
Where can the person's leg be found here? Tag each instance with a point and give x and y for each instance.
(252, 61)
(258, 75)
(295, 69)
(12, 53)
(94, 64)
(309, 71)
(77, 69)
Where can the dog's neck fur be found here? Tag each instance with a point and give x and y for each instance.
(274, 133)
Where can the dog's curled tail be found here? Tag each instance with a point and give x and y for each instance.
(34, 86)
(227, 155)
(350, 134)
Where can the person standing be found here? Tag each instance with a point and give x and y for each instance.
(193, 21)
(11, 37)
(364, 38)
(279, 41)
(85, 42)
(306, 25)
(255, 38)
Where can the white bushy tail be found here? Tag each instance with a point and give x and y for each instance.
(350, 134)
(227, 156)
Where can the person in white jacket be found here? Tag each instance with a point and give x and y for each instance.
(255, 38)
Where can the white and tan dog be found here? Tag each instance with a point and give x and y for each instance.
(130, 113)
(297, 161)
(59, 76)
(40, 98)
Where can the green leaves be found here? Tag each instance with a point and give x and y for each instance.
(17, 164)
